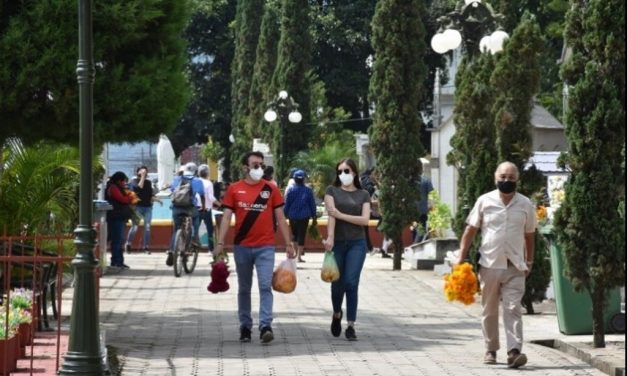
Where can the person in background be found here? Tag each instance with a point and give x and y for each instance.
(254, 201)
(144, 189)
(117, 194)
(268, 174)
(507, 221)
(290, 181)
(420, 232)
(206, 216)
(300, 206)
(178, 213)
(348, 207)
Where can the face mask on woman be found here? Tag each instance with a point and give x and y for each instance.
(346, 179)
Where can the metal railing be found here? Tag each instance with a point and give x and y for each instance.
(36, 263)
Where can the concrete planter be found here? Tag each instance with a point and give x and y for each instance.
(425, 255)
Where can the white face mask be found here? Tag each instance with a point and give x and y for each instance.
(346, 179)
(256, 173)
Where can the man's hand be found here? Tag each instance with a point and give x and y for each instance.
(218, 250)
(291, 251)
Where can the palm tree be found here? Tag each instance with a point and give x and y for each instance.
(38, 187)
(320, 164)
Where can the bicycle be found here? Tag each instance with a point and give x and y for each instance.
(184, 248)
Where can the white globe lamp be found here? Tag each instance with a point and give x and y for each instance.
(270, 116)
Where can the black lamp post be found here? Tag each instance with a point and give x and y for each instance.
(286, 110)
(84, 356)
(474, 23)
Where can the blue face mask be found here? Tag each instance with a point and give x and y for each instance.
(506, 186)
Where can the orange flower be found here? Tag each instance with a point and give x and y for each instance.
(540, 212)
(461, 284)
(134, 198)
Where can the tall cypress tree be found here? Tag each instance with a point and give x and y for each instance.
(396, 90)
(588, 225)
(265, 64)
(474, 151)
(516, 80)
(247, 25)
(292, 74)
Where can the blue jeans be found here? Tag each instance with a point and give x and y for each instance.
(177, 219)
(207, 219)
(146, 213)
(350, 256)
(247, 258)
(115, 228)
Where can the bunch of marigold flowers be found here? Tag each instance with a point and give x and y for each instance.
(461, 284)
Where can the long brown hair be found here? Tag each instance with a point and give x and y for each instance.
(351, 163)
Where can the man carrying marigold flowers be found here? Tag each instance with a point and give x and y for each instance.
(508, 222)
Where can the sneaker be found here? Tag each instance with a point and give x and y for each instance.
(516, 359)
(244, 335)
(170, 260)
(490, 357)
(385, 255)
(128, 248)
(336, 325)
(124, 266)
(350, 333)
(146, 251)
(266, 334)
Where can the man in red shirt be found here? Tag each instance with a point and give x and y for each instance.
(254, 200)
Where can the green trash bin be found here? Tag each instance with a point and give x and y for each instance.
(574, 309)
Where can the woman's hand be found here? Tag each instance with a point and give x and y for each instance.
(328, 244)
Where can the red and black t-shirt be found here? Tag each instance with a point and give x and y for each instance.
(253, 205)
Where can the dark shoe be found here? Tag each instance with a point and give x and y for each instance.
(336, 325)
(350, 333)
(301, 260)
(170, 260)
(146, 251)
(489, 357)
(244, 335)
(124, 266)
(266, 334)
(385, 255)
(128, 248)
(515, 359)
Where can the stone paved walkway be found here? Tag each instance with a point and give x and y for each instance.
(161, 325)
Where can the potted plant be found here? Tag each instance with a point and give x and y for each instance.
(432, 250)
(9, 343)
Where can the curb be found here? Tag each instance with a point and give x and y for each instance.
(604, 363)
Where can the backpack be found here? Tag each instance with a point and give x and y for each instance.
(182, 195)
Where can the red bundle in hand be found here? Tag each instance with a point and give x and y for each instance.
(219, 273)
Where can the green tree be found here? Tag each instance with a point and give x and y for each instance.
(209, 58)
(474, 152)
(292, 74)
(140, 88)
(588, 225)
(396, 89)
(516, 80)
(319, 164)
(265, 64)
(247, 26)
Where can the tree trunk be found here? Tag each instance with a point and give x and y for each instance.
(398, 247)
(598, 295)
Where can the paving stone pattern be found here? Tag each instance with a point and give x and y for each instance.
(161, 325)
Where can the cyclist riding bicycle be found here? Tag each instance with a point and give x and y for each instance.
(179, 211)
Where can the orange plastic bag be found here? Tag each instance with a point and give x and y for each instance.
(284, 277)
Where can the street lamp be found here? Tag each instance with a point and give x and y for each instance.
(285, 109)
(84, 355)
(474, 23)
